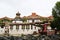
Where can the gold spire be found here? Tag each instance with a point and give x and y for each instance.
(18, 14)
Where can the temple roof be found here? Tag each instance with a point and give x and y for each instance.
(17, 19)
(34, 16)
(6, 18)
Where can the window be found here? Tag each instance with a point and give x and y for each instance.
(31, 27)
(27, 27)
(17, 27)
(23, 26)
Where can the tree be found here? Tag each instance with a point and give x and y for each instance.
(56, 14)
(2, 24)
(24, 19)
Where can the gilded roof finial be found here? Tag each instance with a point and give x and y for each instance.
(18, 14)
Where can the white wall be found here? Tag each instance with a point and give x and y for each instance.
(21, 31)
(29, 21)
(36, 20)
(2, 30)
(17, 22)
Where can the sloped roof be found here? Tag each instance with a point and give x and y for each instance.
(6, 18)
(17, 19)
(34, 16)
(50, 17)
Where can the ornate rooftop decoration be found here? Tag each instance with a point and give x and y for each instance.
(18, 14)
(17, 18)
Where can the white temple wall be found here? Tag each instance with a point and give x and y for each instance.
(25, 31)
(29, 21)
(17, 22)
(2, 30)
(36, 20)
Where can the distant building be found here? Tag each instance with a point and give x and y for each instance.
(22, 25)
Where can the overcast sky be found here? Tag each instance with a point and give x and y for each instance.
(10, 7)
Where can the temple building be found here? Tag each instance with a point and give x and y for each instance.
(22, 25)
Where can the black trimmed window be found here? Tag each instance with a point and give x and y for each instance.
(17, 27)
(23, 26)
(31, 27)
(27, 26)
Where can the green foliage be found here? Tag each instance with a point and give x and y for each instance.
(56, 14)
(6, 20)
(56, 10)
(0, 21)
(58, 5)
(24, 19)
